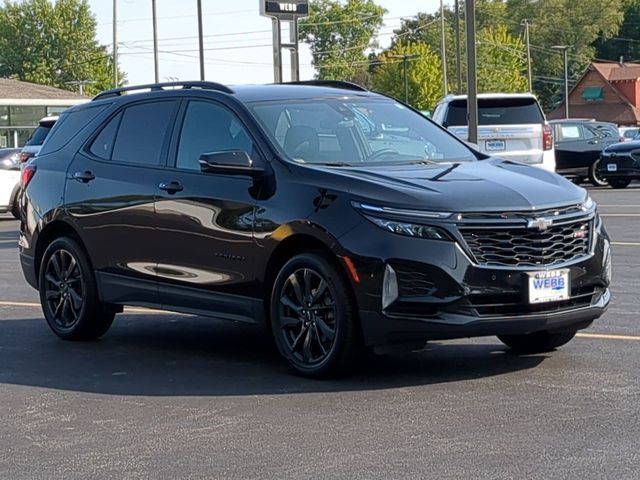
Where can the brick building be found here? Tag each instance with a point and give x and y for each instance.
(608, 92)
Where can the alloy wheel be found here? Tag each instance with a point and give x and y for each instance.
(64, 289)
(307, 316)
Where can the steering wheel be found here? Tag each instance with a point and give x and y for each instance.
(381, 153)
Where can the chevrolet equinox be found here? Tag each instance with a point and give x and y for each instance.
(339, 218)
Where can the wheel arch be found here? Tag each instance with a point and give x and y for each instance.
(53, 230)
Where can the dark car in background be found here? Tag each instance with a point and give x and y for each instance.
(578, 144)
(620, 163)
(37, 138)
(279, 205)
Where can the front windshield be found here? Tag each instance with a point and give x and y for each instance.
(347, 131)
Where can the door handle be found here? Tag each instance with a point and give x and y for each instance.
(593, 142)
(171, 187)
(84, 177)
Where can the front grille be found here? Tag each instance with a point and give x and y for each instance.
(508, 304)
(503, 217)
(529, 247)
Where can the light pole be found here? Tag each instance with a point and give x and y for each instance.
(472, 83)
(443, 50)
(405, 59)
(525, 24)
(456, 26)
(565, 51)
(115, 43)
(200, 40)
(154, 15)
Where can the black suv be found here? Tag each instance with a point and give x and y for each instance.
(338, 217)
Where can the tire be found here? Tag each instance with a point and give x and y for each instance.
(536, 342)
(594, 176)
(69, 294)
(619, 182)
(321, 341)
(15, 209)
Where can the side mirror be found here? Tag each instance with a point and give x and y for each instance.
(231, 162)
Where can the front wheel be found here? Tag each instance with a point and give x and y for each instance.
(536, 342)
(69, 295)
(594, 175)
(619, 182)
(313, 317)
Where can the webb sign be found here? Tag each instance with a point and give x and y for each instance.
(287, 10)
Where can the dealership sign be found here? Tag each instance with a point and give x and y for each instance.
(287, 10)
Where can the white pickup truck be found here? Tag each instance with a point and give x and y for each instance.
(511, 126)
(9, 180)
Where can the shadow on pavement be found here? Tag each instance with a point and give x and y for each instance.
(8, 240)
(173, 355)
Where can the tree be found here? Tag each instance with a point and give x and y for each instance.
(53, 44)
(626, 43)
(501, 61)
(424, 75)
(339, 34)
(563, 22)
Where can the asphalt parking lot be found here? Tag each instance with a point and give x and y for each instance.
(172, 396)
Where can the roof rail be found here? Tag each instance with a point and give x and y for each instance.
(116, 92)
(331, 84)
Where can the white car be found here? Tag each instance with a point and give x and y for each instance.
(628, 133)
(511, 126)
(9, 180)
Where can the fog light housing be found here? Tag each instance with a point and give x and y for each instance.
(607, 267)
(389, 286)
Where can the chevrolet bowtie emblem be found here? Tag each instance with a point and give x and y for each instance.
(540, 223)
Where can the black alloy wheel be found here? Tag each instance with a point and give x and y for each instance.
(69, 295)
(312, 316)
(619, 182)
(594, 176)
(63, 288)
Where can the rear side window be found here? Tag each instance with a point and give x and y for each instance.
(102, 146)
(68, 126)
(38, 136)
(142, 132)
(497, 111)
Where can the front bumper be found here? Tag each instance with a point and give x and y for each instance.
(444, 294)
(626, 167)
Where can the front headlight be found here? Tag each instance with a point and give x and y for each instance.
(588, 204)
(606, 262)
(409, 229)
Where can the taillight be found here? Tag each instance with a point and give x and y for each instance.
(25, 156)
(27, 174)
(547, 137)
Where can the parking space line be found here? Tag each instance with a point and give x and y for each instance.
(620, 214)
(608, 336)
(626, 244)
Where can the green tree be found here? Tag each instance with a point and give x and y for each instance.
(52, 44)
(501, 61)
(563, 22)
(627, 42)
(424, 75)
(338, 34)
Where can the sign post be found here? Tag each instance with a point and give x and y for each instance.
(288, 12)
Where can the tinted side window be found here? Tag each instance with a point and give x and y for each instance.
(208, 128)
(497, 111)
(102, 146)
(142, 132)
(68, 126)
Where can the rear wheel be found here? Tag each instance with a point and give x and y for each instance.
(594, 176)
(619, 182)
(15, 209)
(69, 295)
(313, 317)
(536, 342)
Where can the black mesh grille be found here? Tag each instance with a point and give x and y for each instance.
(412, 283)
(521, 247)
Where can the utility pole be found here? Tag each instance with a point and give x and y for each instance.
(443, 51)
(405, 60)
(456, 26)
(565, 51)
(525, 23)
(200, 40)
(115, 43)
(154, 16)
(472, 86)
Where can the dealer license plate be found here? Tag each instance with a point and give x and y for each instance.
(549, 286)
(494, 145)
(612, 167)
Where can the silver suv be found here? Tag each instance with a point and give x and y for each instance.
(511, 126)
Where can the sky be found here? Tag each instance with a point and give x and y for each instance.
(237, 40)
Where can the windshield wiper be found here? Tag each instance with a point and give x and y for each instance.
(336, 164)
(424, 161)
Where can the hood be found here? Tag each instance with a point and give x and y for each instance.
(486, 185)
(623, 147)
